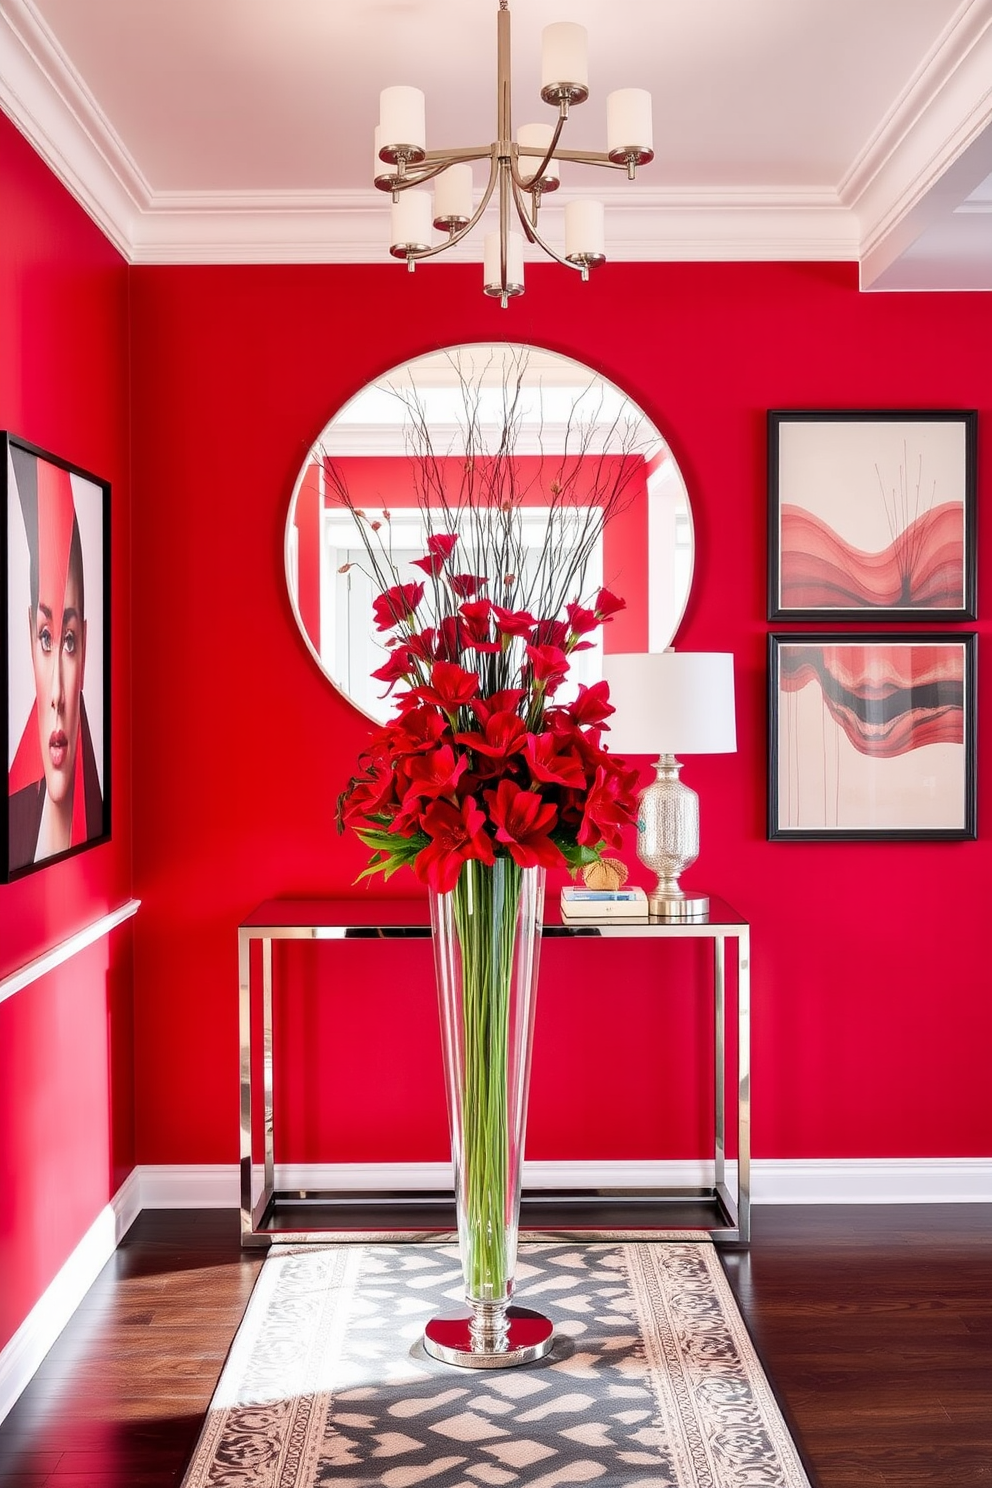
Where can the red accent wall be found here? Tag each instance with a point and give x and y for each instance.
(66, 1041)
(872, 1013)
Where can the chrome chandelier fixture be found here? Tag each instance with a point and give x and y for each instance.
(524, 169)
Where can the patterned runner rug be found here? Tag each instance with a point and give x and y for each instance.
(652, 1382)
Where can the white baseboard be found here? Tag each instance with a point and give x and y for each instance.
(911, 1180)
(24, 1353)
(216, 1186)
(773, 1181)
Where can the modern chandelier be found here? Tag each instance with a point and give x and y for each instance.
(524, 169)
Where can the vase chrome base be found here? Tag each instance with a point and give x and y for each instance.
(529, 1336)
(678, 908)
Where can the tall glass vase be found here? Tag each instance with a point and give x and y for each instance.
(487, 938)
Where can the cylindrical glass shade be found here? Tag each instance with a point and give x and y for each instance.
(538, 137)
(628, 123)
(514, 263)
(410, 223)
(585, 230)
(564, 56)
(402, 119)
(486, 946)
(453, 196)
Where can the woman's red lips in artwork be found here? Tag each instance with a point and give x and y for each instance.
(57, 747)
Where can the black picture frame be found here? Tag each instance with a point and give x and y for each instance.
(54, 660)
(841, 727)
(872, 514)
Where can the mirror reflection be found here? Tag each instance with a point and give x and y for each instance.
(410, 441)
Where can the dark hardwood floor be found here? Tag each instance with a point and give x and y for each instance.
(874, 1324)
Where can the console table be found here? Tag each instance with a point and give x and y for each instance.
(267, 1213)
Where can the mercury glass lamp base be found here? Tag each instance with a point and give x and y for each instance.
(529, 1336)
(676, 908)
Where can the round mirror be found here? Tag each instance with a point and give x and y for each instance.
(405, 441)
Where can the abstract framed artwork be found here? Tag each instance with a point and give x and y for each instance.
(871, 514)
(55, 659)
(871, 737)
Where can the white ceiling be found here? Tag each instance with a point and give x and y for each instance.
(240, 130)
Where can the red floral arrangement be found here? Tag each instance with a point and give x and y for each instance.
(480, 760)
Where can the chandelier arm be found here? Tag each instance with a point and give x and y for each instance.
(532, 233)
(428, 172)
(473, 220)
(590, 157)
(454, 157)
(527, 183)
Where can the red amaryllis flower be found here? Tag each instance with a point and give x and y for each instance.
(550, 633)
(478, 632)
(513, 622)
(433, 774)
(551, 765)
(396, 669)
(465, 585)
(503, 735)
(450, 638)
(523, 821)
(581, 620)
(457, 833)
(432, 564)
(396, 604)
(498, 702)
(608, 604)
(547, 665)
(370, 796)
(416, 730)
(605, 811)
(450, 686)
(591, 705)
(442, 543)
(422, 644)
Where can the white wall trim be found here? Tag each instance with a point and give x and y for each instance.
(216, 1186)
(32, 970)
(774, 1181)
(940, 1180)
(24, 1353)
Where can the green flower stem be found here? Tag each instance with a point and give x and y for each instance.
(486, 902)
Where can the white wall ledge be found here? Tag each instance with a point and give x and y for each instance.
(41, 965)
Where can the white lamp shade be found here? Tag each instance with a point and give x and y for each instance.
(514, 259)
(453, 192)
(537, 137)
(410, 220)
(585, 228)
(564, 55)
(628, 120)
(671, 702)
(402, 114)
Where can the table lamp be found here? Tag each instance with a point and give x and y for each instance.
(668, 703)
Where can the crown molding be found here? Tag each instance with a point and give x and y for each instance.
(350, 227)
(50, 105)
(927, 146)
(929, 151)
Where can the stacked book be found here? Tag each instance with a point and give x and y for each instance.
(603, 904)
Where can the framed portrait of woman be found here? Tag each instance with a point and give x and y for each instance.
(55, 684)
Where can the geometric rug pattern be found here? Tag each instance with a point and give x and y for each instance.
(652, 1382)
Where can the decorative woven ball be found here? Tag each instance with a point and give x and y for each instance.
(608, 873)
